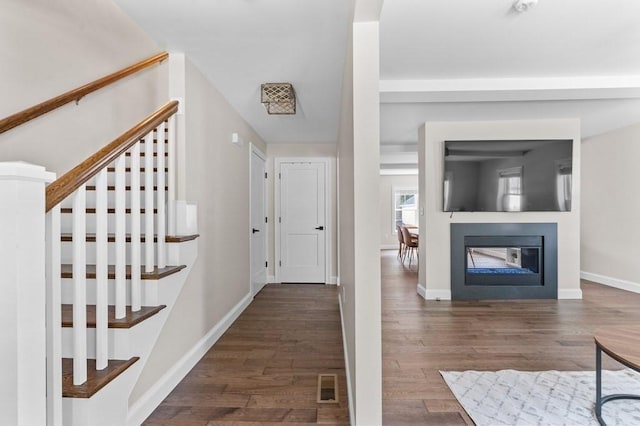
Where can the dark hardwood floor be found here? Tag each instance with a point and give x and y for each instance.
(264, 368)
(420, 338)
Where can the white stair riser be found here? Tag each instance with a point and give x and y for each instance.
(67, 220)
(124, 343)
(67, 252)
(107, 407)
(149, 288)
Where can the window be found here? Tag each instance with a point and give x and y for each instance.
(405, 206)
(563, 184)
(510, 189)
(448, 176)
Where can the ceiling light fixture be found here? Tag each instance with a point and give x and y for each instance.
(278, 98)
(524, 5)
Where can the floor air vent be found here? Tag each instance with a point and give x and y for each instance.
(327, 388)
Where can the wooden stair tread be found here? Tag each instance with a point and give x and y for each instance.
(130, 319)
(91, 238)
(67, 271)
(96, 379)
(128, 169)
(91, 210)
(142, 154)
(127, 188)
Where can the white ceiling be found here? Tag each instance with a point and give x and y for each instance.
(240, 44)
(441, 60)
(480, 60)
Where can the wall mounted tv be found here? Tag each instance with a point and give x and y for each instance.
(507, 175)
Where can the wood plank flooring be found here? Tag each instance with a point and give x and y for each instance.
(420, 338)
(264, 368)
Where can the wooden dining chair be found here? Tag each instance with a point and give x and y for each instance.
(400, 242)
(410, 244)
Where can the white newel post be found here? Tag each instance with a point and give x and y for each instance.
(22, 303)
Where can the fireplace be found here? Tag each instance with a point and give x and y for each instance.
(504, 261)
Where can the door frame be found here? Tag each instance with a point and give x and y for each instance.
(255, 150)
(328, 194)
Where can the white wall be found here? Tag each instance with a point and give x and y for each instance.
(50, 47)
(301, 150)
(610, 206)
(359, 192)
(218, 182)
(435, 269)
(388, 239)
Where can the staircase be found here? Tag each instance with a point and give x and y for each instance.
(115, 267)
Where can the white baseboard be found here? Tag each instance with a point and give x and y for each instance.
(333, 280)
(388, 246)
(422, 290)
(346, 366)
(271, 279)
(152, 398)
(611, 282)
(437, 294)
(570, 294)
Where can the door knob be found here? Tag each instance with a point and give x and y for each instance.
(254, 230)
(320, 228)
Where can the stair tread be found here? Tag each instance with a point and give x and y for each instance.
(67, 271)
(130, 319)
(91, 238)
(127, 188)
(92, 210)
(128, 169)
(142, 154)
(96, 379)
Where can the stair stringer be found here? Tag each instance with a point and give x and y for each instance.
(110, 405)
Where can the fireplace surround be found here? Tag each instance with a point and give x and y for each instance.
(504, 261)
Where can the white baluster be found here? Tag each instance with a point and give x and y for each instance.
(134, 182)
(54, 320)
(171, 176)
(149, 263)
(102, 273)
(79, 287)
(160, 182)
(121, 233)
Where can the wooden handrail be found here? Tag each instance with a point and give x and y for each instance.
(64, 186)
(36, 111)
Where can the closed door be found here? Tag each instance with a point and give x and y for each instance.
(302, 222)
(258, 223)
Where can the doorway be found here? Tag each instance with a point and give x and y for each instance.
(302, 227)
(258, 231)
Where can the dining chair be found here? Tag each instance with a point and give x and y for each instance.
(410, 244)
(400, 242)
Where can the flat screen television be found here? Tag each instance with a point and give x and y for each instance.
(507, 175)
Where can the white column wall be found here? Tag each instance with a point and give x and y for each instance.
(435, 267)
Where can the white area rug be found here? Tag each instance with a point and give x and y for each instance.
(510, 397)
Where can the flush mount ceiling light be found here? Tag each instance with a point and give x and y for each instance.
(524, 5)
(278, 98)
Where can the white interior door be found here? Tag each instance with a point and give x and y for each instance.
(258, 223)
(302, 222)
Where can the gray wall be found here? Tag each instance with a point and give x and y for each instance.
(610, 206)
(218, 182)
(51, 47)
